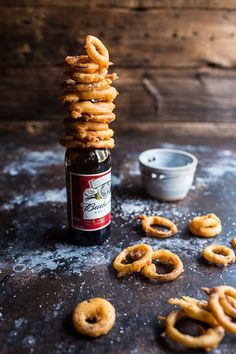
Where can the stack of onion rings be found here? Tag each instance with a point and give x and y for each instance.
(205, 226)
(88, 96)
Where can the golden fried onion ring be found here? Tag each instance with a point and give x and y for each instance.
(164, 256)
(87, 107)
(82, 63)
(209, 340)
(147, 221)
(196, 309)
(91, 118)
(94, 317)
(89, 135)
(106, 94)
(71, 85)
(87, 78)
(220, 306)
(141, 249)
(71, 142)
(219, 254)
(96, 50)
(86, 126)
(205, 226)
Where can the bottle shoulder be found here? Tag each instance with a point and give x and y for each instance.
(88, 160)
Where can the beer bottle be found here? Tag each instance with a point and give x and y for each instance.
(88, 182)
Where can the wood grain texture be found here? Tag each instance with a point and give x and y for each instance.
(160, 37)
(137, 5)
(145, 95)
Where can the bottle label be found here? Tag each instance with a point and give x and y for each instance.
(90, 200)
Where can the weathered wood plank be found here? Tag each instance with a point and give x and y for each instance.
(164, 38)
(194, 129)
(145, 95)
(133, 4)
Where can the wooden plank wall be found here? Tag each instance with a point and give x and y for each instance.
(176, 58)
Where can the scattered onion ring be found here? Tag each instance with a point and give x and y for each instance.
(147, 221)
(141, 249)
(164, 256)
(99, 310)
(209, 340)
(196, 309)
(96, 50)
(220, 306)
(219, 254)
(205, 226)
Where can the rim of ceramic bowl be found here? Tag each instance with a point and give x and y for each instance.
(192, 164)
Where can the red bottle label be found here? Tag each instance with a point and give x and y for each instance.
(90, 201)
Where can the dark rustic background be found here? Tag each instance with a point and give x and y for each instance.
(176, 59)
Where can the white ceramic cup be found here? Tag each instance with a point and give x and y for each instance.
(167, 174)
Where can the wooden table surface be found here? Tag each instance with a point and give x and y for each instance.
(43, 275)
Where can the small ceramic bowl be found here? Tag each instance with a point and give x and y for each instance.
(167, 174)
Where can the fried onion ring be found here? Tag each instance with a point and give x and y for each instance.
(233, 242)
(205, 226)
(87, 78)
(220, 306)
(71, 85)
(83, 63)
(147, 221)
(219, 254)
(196, 309)
(86, 126)
(93, 118)
(70, 142)
(88, 107)
(88, 135)
(94, 317)
(164, 256)
(146, 258)
(96, 50)
(208, 341)
(107, 95)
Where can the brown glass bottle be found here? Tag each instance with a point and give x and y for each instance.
(88, 182)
